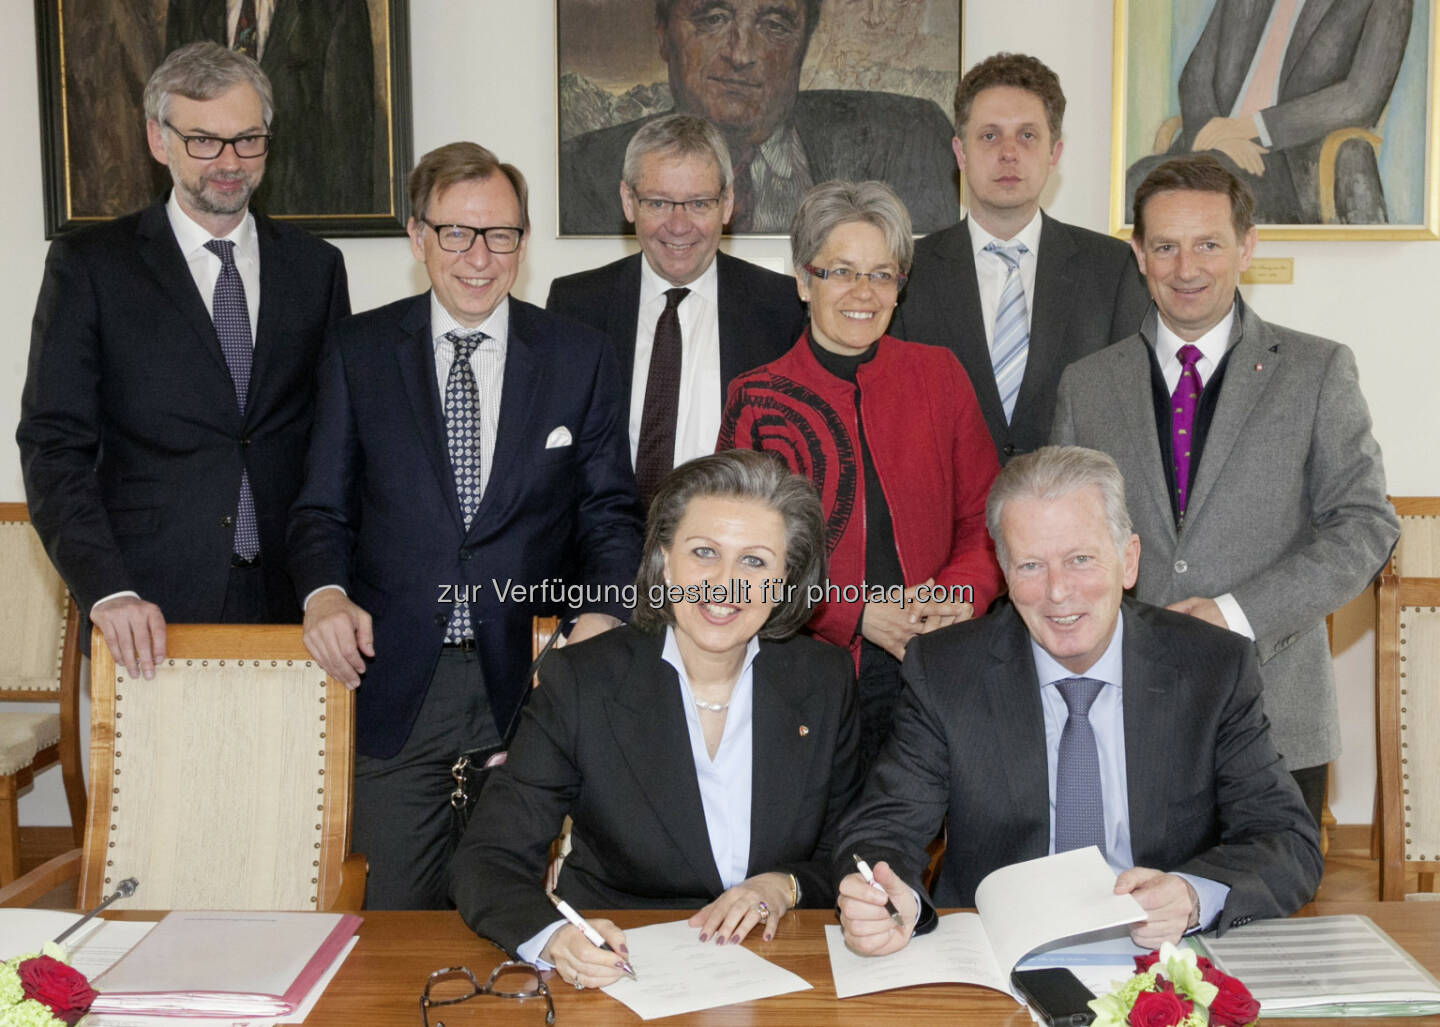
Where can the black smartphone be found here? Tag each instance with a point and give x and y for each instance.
(1056, 994)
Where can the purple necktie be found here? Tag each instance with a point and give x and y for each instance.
(231, 315)
(1079, 801)
(655, 449)
(1183, 403)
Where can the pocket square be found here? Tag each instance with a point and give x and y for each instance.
(559, 438)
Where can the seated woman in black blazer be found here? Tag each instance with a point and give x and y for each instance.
(702, 753)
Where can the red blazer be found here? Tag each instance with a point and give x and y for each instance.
(931, 449)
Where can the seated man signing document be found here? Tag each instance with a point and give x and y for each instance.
(1076, 717)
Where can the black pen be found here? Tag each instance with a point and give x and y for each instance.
(869, 876)
(591, 935)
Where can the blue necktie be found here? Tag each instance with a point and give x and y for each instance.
(462, 432)
(1010, 341)
(231, 315)
(1079, 803)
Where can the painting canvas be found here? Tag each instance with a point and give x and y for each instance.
(1327, 108)
(803, 91)
(339, 70)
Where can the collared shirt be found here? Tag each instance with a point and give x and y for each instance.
(725, 781)
(264, 12)
(698, 415)
(1272, 87)
(1212, 345)
(779, 177)
(487, 362)
(205, 266)
(991, 271)
(1107, 720)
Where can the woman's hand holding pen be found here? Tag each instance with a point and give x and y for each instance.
(582, 963)
(762, 899)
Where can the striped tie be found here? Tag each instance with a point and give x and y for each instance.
(1010, 342)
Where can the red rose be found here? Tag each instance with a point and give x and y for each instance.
(61, 988)
(1234, 1006)
(1145, 962)
(1159, 1009)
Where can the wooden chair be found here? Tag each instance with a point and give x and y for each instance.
(224, 783)
(39, 629)
(1417, 554)
(1408, 726)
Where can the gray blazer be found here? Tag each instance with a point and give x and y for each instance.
(1287, 510)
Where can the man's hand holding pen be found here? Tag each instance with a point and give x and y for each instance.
(870, 930)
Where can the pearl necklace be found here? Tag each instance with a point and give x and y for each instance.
(712, 707)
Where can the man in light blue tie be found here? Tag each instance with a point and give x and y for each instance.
(1075, 717)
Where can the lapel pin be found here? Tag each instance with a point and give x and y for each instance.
(1259, 367)
(804, 730)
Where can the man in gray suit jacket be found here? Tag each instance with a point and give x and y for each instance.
(1169, 769)
(1255, 484)
(1078, 290)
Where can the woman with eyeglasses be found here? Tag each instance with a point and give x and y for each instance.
(891, 434)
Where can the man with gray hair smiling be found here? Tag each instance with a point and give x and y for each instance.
(1076, 717)
(683, 318)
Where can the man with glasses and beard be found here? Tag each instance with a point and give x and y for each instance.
(165, 410)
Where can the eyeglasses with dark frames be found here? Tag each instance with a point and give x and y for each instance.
(456, 984)
(849, 276)
(204, 147)
(459, 238)
(658, 207)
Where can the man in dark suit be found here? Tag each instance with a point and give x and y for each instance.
(467, 471)
(160, 446)
(683, 318)
(1267, 82)
(320, 57)
(1076, 717)
(1255, 481)
(737, 64)
(1056, 292)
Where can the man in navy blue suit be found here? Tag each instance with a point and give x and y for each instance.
(468, 467)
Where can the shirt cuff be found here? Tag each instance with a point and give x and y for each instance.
(530, 950)
(1261, 130)
(1212, 896)
(113, 595)
(1235, 618)
(306, 604)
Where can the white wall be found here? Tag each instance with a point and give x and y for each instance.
(1381, 298)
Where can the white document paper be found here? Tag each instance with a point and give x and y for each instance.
(1021, 907)
(677, 973)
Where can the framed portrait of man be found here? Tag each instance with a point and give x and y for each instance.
(339, 71)
(1326, 108)
(803, 91)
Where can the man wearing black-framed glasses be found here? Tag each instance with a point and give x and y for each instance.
(164, 415)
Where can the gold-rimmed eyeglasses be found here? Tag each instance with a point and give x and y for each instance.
(456, 984)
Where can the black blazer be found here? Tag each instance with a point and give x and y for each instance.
(604, 740)
(1088, 294)
(761, 315)
(131, 442)
(378, 514)
(1209, 796)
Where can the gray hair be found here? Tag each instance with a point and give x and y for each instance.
(1052, 472)
(202, 71)
(738, 474)
(677, 135)
(831, 204)
(663, 10)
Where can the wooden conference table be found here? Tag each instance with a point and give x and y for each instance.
(379, 984)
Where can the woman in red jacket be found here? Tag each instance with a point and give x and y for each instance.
(889, 432)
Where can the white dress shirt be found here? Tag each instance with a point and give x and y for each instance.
(698, 414)
(1212, 346)
(991, 271)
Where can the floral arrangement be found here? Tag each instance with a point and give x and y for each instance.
(1175, 987)
(43, 990)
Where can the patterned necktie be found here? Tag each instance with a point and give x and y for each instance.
(1183, 403)
(462, 432)
(1010, 341)
(247, 31)
(1079, 803)
(231, 315)
(655, 449)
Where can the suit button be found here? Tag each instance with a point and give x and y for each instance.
(1181, 566)
(227, 521)
(466, 554)
(441, 620)
(1009, 449)
(244, 443)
